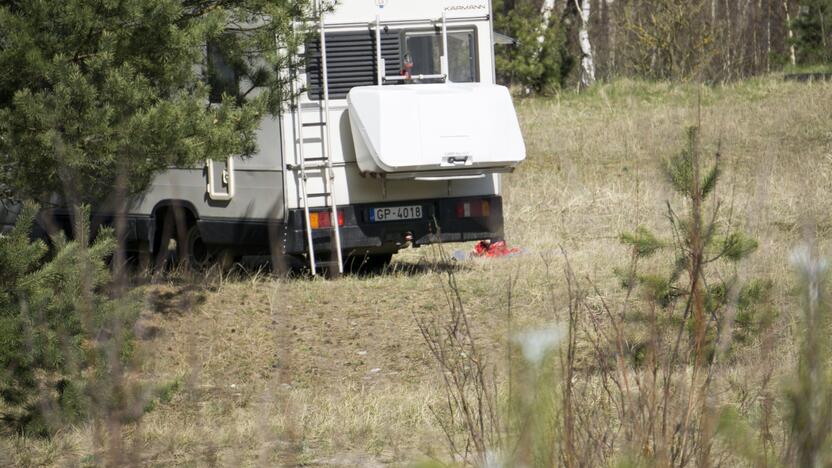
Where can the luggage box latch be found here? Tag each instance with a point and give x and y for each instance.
(456, 160)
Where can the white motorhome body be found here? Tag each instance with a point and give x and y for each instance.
(410, 126)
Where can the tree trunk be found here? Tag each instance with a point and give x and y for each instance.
(713, 14)
(587, 65)
(611, 32)
(768, 37)
(791, 33)
(546, 12)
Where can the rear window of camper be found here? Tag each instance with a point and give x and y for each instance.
(223, 77)
(425, 48)
(351, 58)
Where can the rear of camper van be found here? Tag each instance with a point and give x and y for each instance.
(397, 136)
(419, 132)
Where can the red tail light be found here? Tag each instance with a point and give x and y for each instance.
(323, 219)
(473, 209)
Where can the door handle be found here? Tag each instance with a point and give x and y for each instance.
(227, 178)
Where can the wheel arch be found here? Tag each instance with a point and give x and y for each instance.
(161, 210)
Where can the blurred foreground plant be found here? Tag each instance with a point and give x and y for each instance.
(483, 426)
(810, 394)
(469, 417)
(62, 338)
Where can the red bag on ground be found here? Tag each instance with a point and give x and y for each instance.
(487, 248)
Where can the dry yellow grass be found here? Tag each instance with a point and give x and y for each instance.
(335, 372)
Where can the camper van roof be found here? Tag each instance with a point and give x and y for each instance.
(356, 11)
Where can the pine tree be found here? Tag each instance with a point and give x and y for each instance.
(813, 27)
(539, 61)
(56, 324)
(89, 88)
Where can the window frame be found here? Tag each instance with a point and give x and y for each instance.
(210, 76)
(437, 32)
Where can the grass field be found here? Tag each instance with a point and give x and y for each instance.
(267, 371)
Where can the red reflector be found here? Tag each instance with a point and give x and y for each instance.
(323, 219)
(476, 209)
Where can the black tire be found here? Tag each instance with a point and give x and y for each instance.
(194, 252)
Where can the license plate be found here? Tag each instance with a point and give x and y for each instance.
(395, 213)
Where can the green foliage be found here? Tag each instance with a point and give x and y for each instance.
(102, 86)
(531, 64)
(680, 169)
(736, 246)
(642, 241)
(695, 237)
(813, 29)
(163, 394)
(56, 323)
(667, 39)
(659, 289)
(754, 310)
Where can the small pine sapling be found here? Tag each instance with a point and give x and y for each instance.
(688, 305)
(58, 326)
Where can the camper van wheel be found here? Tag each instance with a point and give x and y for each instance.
(199, 255)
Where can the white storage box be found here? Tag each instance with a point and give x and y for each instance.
(446, 128)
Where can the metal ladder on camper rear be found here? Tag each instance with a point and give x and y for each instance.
(322, 163)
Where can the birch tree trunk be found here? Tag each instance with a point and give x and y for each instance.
(587, 65)
(612, 31)
(768, 37)
(791, 33)
(546, 12)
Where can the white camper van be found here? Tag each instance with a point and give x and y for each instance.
(398, 138)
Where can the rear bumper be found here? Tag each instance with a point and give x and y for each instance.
(359, 235)
(439, 223)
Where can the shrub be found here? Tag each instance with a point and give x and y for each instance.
(813, 27)
(535, 65)
(59, 330)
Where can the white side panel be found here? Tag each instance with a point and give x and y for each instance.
(259, 183)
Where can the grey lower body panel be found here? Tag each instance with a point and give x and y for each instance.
(359, 234)
(8, 215)
(440, 222)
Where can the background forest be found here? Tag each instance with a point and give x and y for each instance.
(668, 304)
(710, 41)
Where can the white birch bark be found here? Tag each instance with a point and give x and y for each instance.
(612, 31)
(587, 65)
(546, 12)
(768, 37)
(791, 33)
(713, 14)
